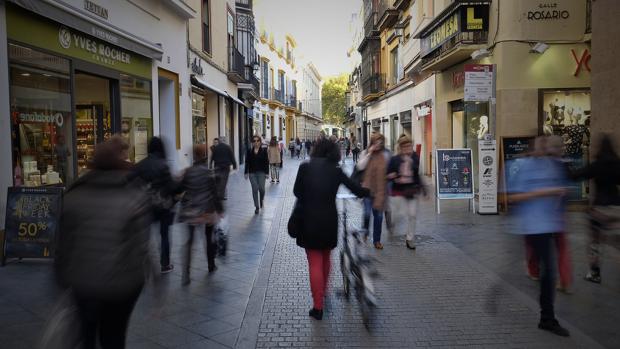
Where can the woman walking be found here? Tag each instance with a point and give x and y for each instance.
(275, 158)
(403, 172)
(374, 164)
(201, 206)
(256, 169)
(316, 186)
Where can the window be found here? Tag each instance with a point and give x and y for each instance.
(199, 119)
(206, 26)
(137, 119)
(41, 118)
(394, 66)
(265, 78)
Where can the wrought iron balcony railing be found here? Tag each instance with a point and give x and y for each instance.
(373, 84)
(236, 65)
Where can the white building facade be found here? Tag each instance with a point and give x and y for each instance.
(308, 123)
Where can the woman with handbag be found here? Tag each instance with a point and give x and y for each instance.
(316, 187)
(403, 172)
(201, 206)
(256, 170)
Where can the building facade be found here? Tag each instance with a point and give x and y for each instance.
(76, 72)
(309, 121)
(542, 70)
(278, 107)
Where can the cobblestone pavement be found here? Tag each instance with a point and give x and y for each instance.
(462, 287)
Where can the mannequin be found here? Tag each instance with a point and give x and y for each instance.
(484, 126)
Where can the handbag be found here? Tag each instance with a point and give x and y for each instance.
(357, 176)
(295, 222)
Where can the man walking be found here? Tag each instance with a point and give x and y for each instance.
(222, 158)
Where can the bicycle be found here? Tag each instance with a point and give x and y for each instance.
(356, 267)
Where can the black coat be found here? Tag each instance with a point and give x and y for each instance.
(316, 187)
(102, 249)
(222, 156)
(257, 162)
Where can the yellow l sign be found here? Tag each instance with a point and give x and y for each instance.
(473, 23)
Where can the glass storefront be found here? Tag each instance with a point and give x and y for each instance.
(42, 126)
(566, 113)
(470, 122)
(137, 120)
(199, 119)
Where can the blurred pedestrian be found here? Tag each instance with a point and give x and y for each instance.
(162, 189)
(539, 189)
(605, 210)
(407, 186)
(374, 165)
(298, 147)
(201, 208)
(216, 141)
(357, 148)
(291, 148)
(308, 146)
(275, 159)
(315, 187)
(281, 146)
(102, 251)
(256, 170)
(223, 158)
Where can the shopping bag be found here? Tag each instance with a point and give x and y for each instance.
(221, 236)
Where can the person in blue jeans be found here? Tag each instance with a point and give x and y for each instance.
(539, 190)
(373, 163)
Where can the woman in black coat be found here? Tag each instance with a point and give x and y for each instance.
(316, 187)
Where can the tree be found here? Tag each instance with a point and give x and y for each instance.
(334, 101)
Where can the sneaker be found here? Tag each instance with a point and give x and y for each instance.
(533, 277)
(277, 181)
(378, 246)
(316, 313)
(167, 269)
(272, 181)
(554, 327)
(410, 244)
(564, 289)
(593, 277)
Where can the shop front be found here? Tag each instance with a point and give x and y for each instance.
(69, 91)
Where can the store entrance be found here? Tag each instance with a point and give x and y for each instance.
(93, 115)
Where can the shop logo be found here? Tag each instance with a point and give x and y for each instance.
(487, 161)
(583, 62)
(57, 118)
(64, 37)
(547, 11)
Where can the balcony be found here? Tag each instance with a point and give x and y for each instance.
(236, 65)
(370, 27)
(401, 5)
(278, 95)
(388, 15)
(373, 86)
(244, 3)
(291, 102)
(457, 49)
(252, 79)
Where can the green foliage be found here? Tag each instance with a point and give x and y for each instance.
(334, 101)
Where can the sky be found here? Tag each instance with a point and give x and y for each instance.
(320, 27)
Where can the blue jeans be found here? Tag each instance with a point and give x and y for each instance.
(377, 220)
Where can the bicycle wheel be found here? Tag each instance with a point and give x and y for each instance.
(345, 276)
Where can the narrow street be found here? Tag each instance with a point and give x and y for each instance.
(464, 286)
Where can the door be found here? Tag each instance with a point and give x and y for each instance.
(428, 144)
(94, 119)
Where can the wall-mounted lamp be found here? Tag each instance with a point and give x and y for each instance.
(480, 54)
(539, 47)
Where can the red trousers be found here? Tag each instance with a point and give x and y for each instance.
(564, 265)
(319, 265)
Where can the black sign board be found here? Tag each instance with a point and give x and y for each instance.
(405, 117)
(32, 221)
(454, 174)
(514, 148)
(375, 123)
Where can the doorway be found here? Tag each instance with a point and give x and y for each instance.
(93, 114)
(428, 144)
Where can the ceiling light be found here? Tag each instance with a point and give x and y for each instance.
(481, 53)
(25, 74)
(540, 47)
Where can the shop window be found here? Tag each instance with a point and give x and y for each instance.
(42, 125)
(137, 119)
(199, 119)
(567, 114)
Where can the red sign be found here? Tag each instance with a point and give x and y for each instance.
(583, 62)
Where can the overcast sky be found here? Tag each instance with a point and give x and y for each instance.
(320, 27)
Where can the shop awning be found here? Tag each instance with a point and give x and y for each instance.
(235, 99)
(202, 83)
(71, 16)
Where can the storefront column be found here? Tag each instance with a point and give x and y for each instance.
(6, 166)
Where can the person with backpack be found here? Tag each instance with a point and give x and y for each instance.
(162, 189)
(407, 186)
(201, 207)
(102, 246)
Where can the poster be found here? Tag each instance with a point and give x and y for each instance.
(140, 143)
(487, 173)
(32, 220)
(454, 174)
